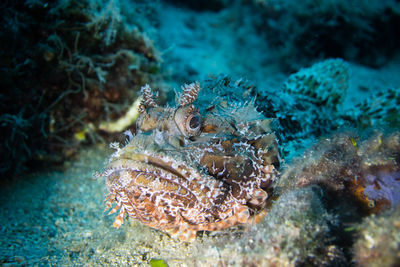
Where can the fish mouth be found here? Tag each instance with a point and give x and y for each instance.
(161, 163)
(155, 172)
(185, 203)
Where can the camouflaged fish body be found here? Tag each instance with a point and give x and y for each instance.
(189, 170)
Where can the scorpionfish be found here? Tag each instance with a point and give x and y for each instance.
(194, 167)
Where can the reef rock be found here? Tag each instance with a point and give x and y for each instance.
(368, 171)
(378, 242)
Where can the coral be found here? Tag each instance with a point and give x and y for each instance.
(105, 23)
(369, 171)
(295, 232)
(355, 178)
(360, 31)
(123, 122)
(323, 84)
(68, 66)
(378, 242)
(380, 110)
(381, 167)
(383, 186)
(308, 105)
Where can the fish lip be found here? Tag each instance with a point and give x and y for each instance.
(163, 164)
(141, 161)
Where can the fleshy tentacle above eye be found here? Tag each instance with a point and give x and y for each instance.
(147, 98)
(189, 93)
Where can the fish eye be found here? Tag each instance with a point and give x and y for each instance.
(188, 120)
(193, 123)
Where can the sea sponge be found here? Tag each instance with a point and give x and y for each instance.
(381, 109)
(324, 83)
(84, 66)
(308, 105)
(294, 232)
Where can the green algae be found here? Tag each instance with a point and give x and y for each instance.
(158, 263)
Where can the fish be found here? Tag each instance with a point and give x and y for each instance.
(203, 164)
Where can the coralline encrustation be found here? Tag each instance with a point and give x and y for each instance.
(367, 171)
(308, 105)
(378, 241)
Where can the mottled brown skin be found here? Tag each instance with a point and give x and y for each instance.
(185, 172)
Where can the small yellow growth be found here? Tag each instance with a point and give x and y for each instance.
(125, 121)
(81, 135)
(380, 140)
(353, 141)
